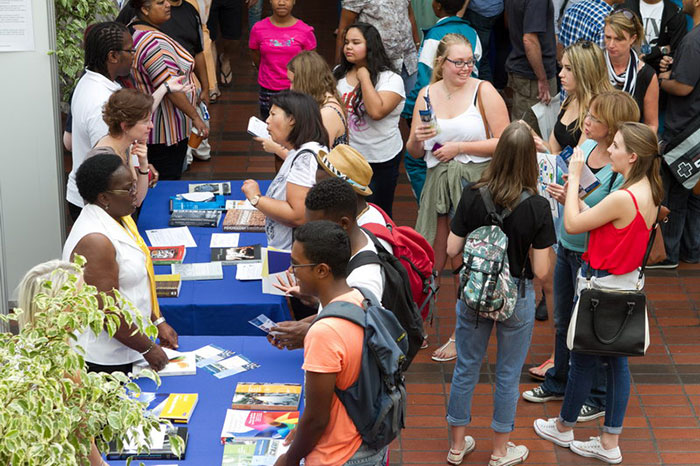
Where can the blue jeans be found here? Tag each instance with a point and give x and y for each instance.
(555, 380)
(409, 80)
(483, 26)
(513, 336)
(682, 231)
(366, 457)
(254, 13)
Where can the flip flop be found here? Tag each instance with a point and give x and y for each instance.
(449, 358)
(214, 96)
(542, 368)
(225, 79)
(425, 343)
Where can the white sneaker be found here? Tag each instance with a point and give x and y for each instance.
(514, 454)
(594, 449)
(547, 429)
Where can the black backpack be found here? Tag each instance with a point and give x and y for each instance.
(376, 402)
(397, 296)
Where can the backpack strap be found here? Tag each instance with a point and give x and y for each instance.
(296, 156)
(363, 258)
(491, 207)
(343, 310)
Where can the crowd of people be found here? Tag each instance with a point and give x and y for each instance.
(339, 131)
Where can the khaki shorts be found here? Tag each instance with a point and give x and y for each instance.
(525, 96)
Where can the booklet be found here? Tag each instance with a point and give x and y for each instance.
(231, 366)
(244, 424)
(260, 452)
(249, 271)
(199, 271)
(224, 240)
(258, 128)
(267, 396)
(210, 354)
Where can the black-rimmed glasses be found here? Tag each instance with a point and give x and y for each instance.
(294, 267)
(462, 63)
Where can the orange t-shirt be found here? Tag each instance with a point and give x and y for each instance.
(334, 345)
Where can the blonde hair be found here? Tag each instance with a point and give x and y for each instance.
(641, 140)
(591, 74)
(613, 108)
(313, 76)
(56, 272)
(620, 23)
(443, 49)
(513, 166)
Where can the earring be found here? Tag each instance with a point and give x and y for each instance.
(107, 207)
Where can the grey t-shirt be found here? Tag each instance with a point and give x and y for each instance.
(682, 110)
(531, 16)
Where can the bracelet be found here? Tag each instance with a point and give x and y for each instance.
(159, 321)
(167, 87)
(148, 170)
(153, 344)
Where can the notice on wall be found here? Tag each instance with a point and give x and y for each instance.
(16, 26)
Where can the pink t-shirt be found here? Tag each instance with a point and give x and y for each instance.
(277, 46)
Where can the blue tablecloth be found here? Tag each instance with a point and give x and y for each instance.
(204, 446)
(210, 307)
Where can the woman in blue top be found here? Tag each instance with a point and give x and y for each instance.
(607, 111)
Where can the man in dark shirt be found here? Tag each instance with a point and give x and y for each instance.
(531, 65)
(682, 84)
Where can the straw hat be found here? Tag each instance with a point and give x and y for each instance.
(346, 163)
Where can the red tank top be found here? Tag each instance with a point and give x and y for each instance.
(618, 250)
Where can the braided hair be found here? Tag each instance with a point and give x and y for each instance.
(101, 39)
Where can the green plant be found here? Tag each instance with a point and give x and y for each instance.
(72, 17)
(52, 407)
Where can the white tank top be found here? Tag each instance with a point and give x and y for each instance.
(468, 126)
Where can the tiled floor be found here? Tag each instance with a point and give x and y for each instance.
(662, 423)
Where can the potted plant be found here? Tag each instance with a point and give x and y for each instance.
(52, 407)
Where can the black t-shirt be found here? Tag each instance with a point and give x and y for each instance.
(185, 26)
(681, 111)
(531, 16)
(530, 224)
(566, 135)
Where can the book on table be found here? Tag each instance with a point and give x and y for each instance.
(214, 188)
(213, 202)
(244, 220)
(195, 218)
(173, 407)
(237, 255)
(244, 424)
(160, 445)
(166, 255)
(178, 364)
(250, 452)
(168, 286)
(198, 271)
(267, 396)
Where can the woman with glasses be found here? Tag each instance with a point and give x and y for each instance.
(468, 117)
(117, 259)
(374, 95)
(626, 71)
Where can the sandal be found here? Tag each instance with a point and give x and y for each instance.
(456, 457)
(538, 372)
(214, 96)
(425, 343)
(225, 79)
(442, 348)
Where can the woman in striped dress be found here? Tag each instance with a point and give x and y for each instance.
(157, 58)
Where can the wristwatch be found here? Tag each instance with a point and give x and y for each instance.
(254, 201)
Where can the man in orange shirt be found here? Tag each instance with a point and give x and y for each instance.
(332, 354)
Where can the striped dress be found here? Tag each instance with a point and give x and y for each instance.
(157, 59)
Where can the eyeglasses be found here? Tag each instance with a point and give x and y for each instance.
(629, 14)
(122, 192)
(590, 116)
(462, 63)
(294, 267)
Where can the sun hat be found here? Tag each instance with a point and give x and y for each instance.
(346, 163)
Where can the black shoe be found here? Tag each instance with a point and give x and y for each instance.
(541, 310)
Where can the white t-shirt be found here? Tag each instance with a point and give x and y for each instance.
(372, 215)
(90, 95)
(296, 169)
(651, 20)
(377, 140)
(370, 276)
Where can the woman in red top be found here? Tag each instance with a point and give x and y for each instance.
(619, 229)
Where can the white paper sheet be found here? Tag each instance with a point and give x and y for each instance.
(171, 237)
(547, 173)
(16, 26)
(547, 116)
(224, 240)
(249, 271)
(267, 283)
(232, 204)
(257, 127)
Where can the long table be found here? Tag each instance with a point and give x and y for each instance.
(210, 307)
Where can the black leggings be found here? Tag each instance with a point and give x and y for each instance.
(383, 183)
(168, 160)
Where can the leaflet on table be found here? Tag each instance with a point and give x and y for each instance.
(178, 364)
(245, 424)
(213, 188)
(233, 365)
(276, 262)
(210, 354)
(260, 452)
(199, 271)
(233, 204)
(237, 255)
(171, 237)
(588, 182)
(224, 240)
(250, 271)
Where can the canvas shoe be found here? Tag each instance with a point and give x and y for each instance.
(514, 454)
(588, 413)
(594, 449)
(540, 395)
(456, 457)
(663, 265)
(547, 429)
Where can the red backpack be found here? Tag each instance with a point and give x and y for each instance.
(415, 254)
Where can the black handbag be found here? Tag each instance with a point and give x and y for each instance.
(611, 322)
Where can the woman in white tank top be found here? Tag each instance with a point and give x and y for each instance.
(455, 142)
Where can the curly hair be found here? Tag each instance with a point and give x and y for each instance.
(313, 76)
(334, 197)
(327, 243)
(128, 106)
(94, 174)
(101, 39)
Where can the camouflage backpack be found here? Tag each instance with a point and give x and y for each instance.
(487, 286)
